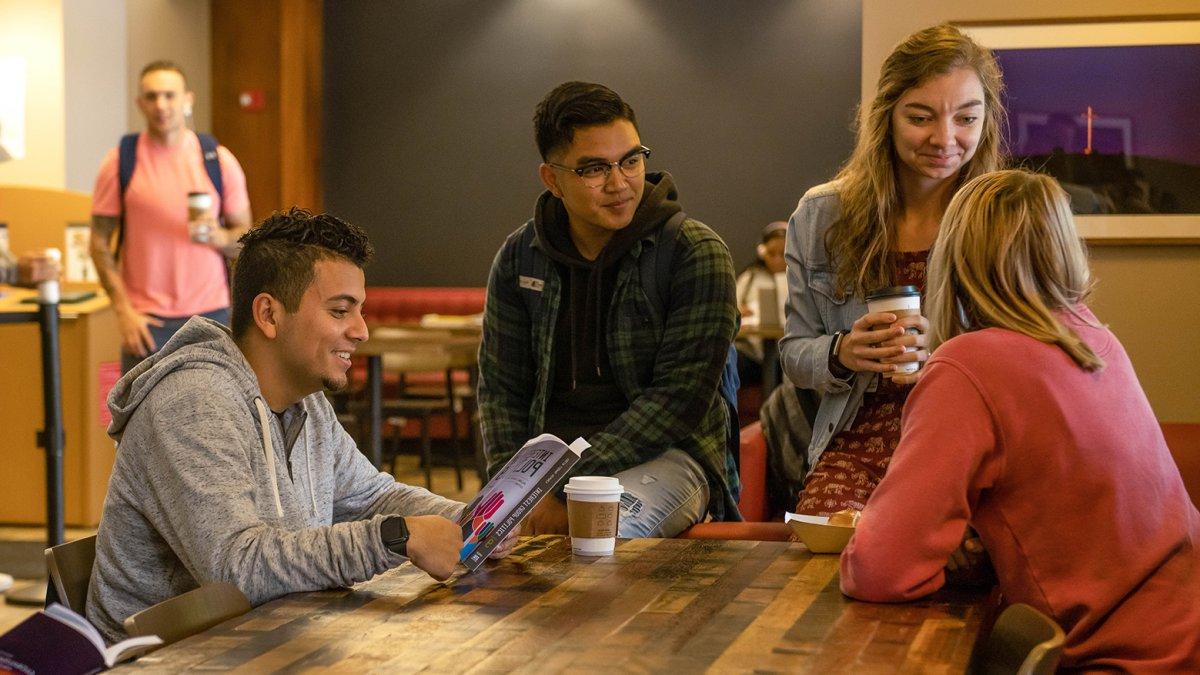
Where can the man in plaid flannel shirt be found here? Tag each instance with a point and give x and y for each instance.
(573, 345)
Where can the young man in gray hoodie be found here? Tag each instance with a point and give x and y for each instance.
(231, 465)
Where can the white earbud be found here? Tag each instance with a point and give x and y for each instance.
(187, 110)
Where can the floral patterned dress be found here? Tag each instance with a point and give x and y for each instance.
(856, 459)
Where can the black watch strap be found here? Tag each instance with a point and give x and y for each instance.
(394, 532)
(835, 366)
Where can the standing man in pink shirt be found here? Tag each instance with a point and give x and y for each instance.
(162, 269)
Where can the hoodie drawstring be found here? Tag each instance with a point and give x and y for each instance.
(312, 488)
(264, 421)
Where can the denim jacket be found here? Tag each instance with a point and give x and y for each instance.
(815, 311)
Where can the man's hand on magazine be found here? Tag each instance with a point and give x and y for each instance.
(548, 517)
(505, 547)
(433, 544)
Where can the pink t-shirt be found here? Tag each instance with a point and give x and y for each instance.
(1067, 479)
(165, 272)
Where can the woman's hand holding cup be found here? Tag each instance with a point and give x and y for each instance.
(914, 346)
(872, 340)
(898, 348)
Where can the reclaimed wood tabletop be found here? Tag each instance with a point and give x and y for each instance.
(656, 605)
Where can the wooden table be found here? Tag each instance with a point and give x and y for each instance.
(443, 347)
(657, 605)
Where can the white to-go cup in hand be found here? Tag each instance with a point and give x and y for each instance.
(199, 225)
(902, 301)
(593, 511)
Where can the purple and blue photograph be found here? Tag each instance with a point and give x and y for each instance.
(1116, 125)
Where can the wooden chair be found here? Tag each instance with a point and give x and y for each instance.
(1023, 641)
(69, 567)
(190, 613)
(423, 402)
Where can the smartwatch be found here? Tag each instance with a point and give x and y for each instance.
(394, 532)
(835, 367)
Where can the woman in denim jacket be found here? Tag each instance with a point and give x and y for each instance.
(935, 122)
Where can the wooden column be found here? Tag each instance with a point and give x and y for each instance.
(272, 49)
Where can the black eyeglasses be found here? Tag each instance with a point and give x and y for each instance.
(596, 174)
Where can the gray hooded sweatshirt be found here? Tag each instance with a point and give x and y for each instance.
(203, 491)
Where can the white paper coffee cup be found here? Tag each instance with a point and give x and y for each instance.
(593, 512)
(199, 204)
(902, 301)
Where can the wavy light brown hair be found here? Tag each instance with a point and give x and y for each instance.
(859, 242)
(1008, 256)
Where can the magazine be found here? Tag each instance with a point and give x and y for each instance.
(528, 476)
(57, 640)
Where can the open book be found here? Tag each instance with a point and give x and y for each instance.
(528, 476)
(57, 640)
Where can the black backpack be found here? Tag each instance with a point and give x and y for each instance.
(127, 162)
(656, 282)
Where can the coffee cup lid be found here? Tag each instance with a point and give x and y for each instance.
(593, 485)
(892, 292)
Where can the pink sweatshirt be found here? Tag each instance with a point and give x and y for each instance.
(1067, 479)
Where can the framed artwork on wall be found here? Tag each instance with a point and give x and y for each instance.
(1109, 108)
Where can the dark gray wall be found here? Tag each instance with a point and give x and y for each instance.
(428, 103)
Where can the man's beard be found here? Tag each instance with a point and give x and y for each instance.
(335, 385)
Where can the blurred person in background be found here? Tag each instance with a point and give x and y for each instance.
(165, 266)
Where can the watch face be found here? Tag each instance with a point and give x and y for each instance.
(394, 533)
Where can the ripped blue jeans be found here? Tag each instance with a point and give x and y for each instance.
(663, 497)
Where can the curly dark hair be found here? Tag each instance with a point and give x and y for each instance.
(279, 257)
(572, 105)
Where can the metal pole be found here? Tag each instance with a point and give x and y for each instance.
(52, 435)
(375, 386)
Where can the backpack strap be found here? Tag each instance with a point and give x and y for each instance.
(212, 162)
(126, 162)
(656, 268)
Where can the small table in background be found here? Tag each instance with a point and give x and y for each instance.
(656, 605)
(422, 349)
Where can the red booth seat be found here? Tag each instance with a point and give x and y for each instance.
(391, 305)
(752, 469)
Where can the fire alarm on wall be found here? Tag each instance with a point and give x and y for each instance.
(252, 100)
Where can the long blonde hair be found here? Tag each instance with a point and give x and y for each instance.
(859, 242)
(1007, 255)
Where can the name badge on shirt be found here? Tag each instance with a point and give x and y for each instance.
(531, 283)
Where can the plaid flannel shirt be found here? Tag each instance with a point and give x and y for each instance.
(668, 370)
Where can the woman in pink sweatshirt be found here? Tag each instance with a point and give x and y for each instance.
(1029, 425)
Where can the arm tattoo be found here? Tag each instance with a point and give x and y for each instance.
(102, 253)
